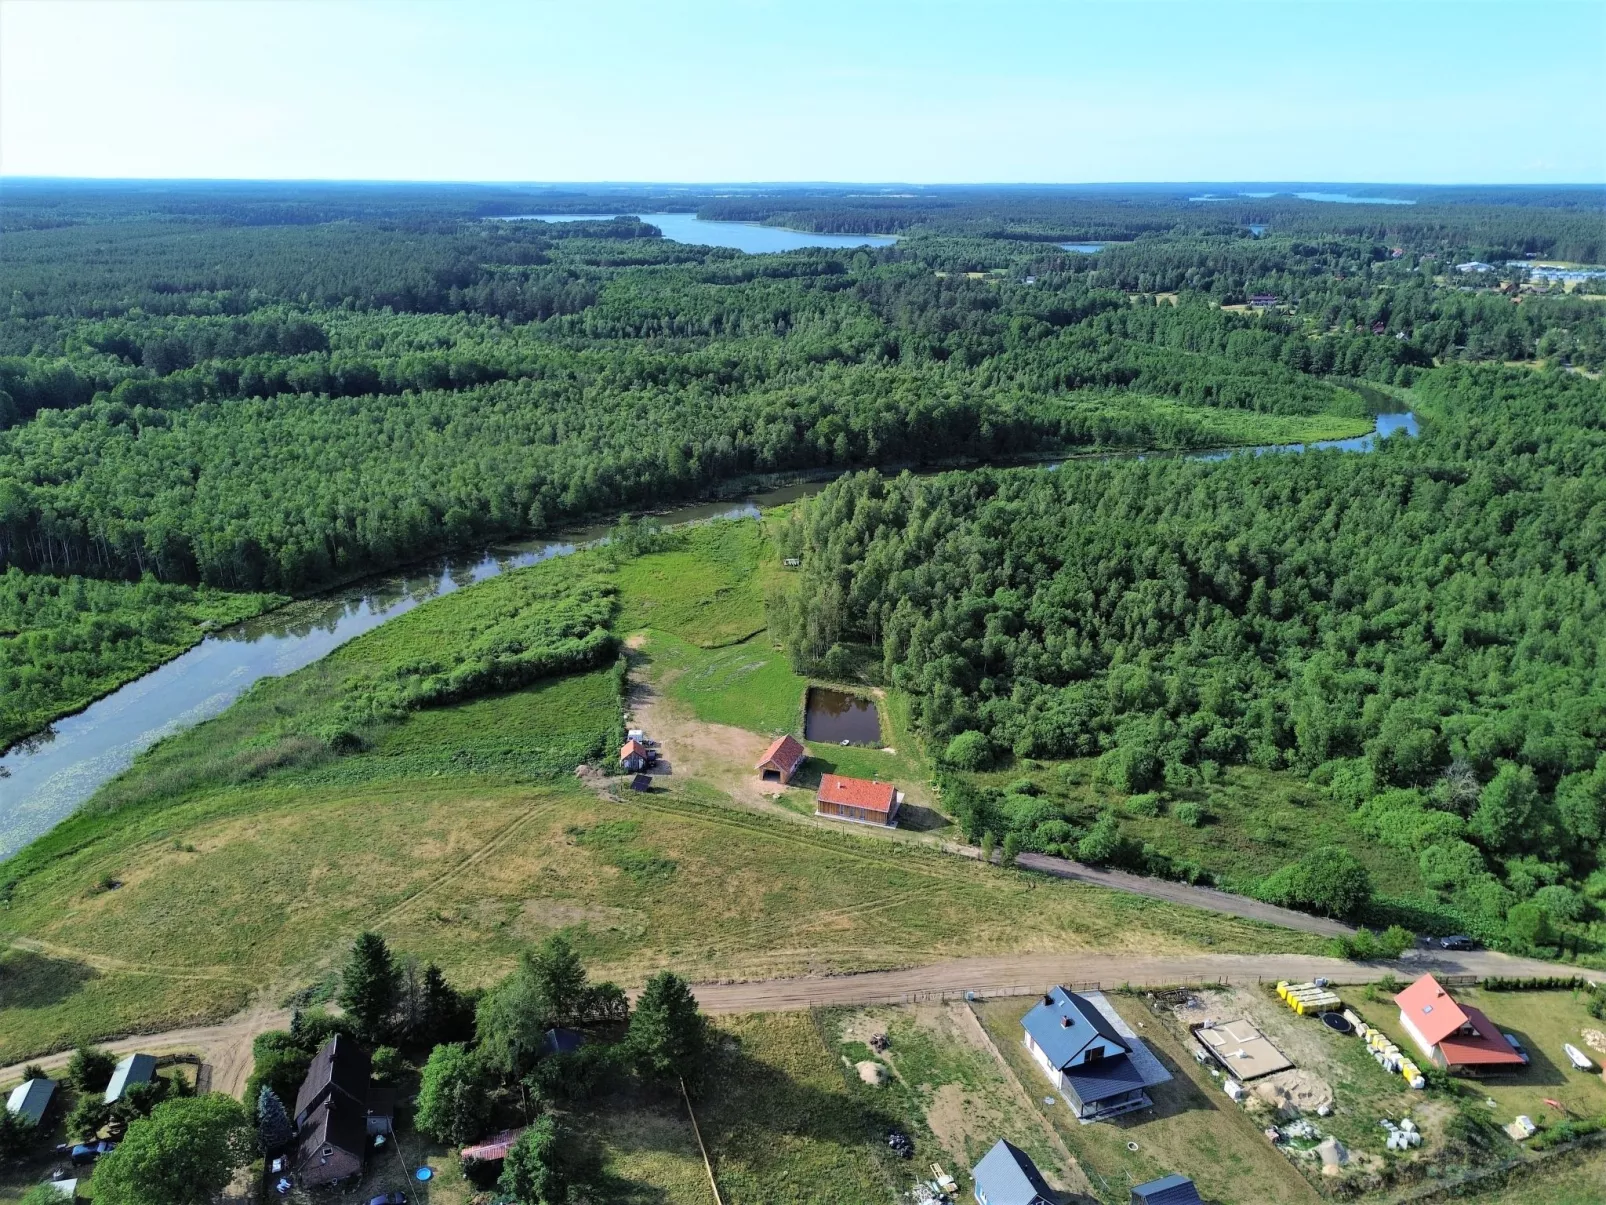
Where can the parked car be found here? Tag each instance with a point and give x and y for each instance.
(390, 1198)
(1458, 941)
(88, 1152)
(1511, 1038)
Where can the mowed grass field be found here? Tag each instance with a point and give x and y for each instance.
(270, 884)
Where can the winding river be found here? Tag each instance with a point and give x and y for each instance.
(48, 776)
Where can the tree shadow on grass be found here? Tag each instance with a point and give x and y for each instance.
(749, 1112)
(31, 980)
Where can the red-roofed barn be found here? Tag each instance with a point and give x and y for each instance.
(781, 760)
(857, 799)
(1456, 1037)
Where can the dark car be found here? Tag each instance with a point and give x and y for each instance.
(390, 1198)
(88, 1152)
(1458, 941)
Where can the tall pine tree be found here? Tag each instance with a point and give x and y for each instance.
(369, 987)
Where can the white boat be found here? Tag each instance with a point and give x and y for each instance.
(1577, 1057)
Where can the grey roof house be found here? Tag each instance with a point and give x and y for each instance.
(135, 1069)
(1101, 1071)
(31, 1098)
(1167, 1190)
(1007, 1176)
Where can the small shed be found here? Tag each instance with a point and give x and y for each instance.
(135, 1069)
(494, 1148)
(1006, 1175)
(31, 1098)
(782, 760)
(1167, 1190)
(633, 755)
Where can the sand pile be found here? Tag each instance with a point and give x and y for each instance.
(1295, 1091)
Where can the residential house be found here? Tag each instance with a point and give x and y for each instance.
(1167, 1190)
(135, 1069)
(1263, 301)
(857, 799)
(1456, 1037)
(782, 760)
(333, 1114)
(1101, 1071)
(633, 755)
(1007, 1176)
(31, 1098)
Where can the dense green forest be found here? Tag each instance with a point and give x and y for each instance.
(211, 393)
(1421, 632)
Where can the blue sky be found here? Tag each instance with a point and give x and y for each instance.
(1421, 91)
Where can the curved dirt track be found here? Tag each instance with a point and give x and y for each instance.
(226, 1047)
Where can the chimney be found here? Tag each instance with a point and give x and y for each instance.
(1065, 1022)
(1048, 998)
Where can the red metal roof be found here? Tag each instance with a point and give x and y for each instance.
(632, 748)
(785, 754)
(1431, 1010)
(494, 1147)
(856, 793)
(1487, 1049)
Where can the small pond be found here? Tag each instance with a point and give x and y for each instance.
(832, 715)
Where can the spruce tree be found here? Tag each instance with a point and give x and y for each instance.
(274, 1130)
(668, 1036)
(369, 987)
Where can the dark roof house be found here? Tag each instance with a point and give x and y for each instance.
(332, 1114)
(1101, 1071)
(135, 1069)
(1007, 1176)
(1167, 1190)
(332, 1143)
(340, 1066)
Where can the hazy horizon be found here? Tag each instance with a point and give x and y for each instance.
(493, 91)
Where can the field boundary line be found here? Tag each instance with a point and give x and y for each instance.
(698, 1134)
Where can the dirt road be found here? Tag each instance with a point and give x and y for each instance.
(227, 1047)
(1181, 893)
(1030, 973)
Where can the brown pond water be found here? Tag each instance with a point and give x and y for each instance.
(834, 716)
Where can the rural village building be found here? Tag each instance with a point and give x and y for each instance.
(1007, 1176)
(1167, 1190)
(337, 1111)
(633, 755)
(135, 1069)
(31, 1098)
(1456, 1037)
(857, 799)
(1101, 1071)
(781, 760)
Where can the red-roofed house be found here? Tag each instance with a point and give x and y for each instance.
(495, 1147)
(857, 799)
(632, 755)
(781, 760)
(1456, 1037)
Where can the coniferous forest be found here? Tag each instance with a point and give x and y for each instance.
(212, 395)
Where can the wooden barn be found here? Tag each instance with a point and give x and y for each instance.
(781, 760)
(857, 799)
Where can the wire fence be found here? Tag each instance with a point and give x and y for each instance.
(938, 995)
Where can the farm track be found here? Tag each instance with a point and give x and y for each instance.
(227, 1046)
